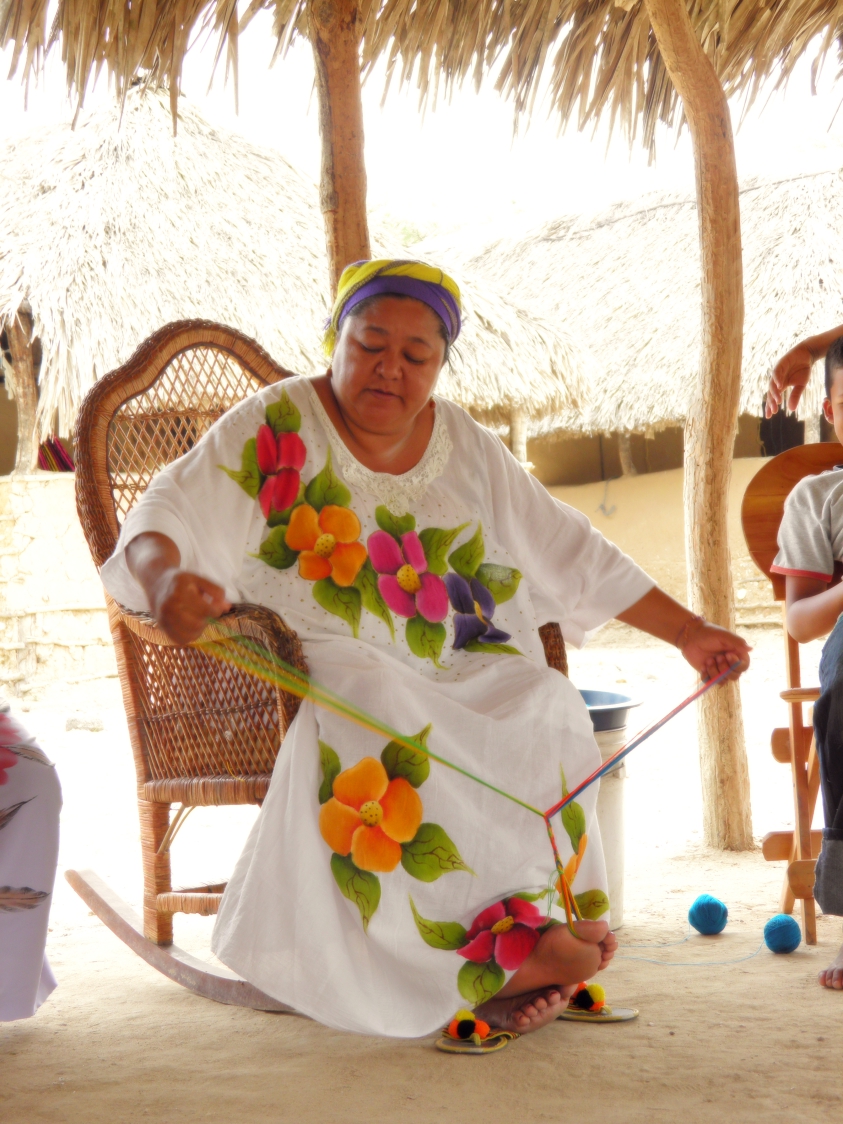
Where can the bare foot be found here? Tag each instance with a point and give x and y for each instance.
(561, 958)
(608, 948)
(523, 1013)
(832, 976)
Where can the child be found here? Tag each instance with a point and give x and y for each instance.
(810, 543)
(30, 801)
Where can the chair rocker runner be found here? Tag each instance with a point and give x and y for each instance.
(202, 732)
(761, 514)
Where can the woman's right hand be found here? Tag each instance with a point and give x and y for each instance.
(792, 370)
(183, 603)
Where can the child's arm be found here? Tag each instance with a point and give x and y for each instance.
(812, 607)
(794, 370)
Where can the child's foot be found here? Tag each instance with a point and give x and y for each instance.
(832, 976)
(523, 1013)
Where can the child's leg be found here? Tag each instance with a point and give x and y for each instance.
(828, 731)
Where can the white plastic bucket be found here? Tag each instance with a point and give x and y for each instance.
(611, 820)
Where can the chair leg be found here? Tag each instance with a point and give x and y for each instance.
(809, 920)
(154, 821)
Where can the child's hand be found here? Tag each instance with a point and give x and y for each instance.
(712, 650)
(7, 760)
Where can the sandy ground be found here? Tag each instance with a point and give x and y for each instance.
(752, 1040)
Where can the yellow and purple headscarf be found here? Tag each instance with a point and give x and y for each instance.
(393, 277)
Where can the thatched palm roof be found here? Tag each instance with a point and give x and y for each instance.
(112, 230)
(627, 284)
(599, 56)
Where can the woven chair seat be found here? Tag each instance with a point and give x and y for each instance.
(206, 791)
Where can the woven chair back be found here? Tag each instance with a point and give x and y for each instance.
(190, 717)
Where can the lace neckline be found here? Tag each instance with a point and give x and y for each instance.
(395, 492)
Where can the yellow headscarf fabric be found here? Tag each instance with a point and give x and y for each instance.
(392, 275)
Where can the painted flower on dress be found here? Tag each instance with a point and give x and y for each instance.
(506, 932)
(371, 818)
(403, 578)
(474, 607)
(326, 543)
(280, 459)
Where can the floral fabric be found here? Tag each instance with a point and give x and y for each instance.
(369, 866)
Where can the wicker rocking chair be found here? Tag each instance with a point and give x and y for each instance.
(202, 733)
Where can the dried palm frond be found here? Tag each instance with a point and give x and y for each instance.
(629, 280)
(597, 57)
(115, 228)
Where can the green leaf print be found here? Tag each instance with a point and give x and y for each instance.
(276, 518)
(248, 476)
(592, 904)
(326, 487)
(525, 897)
(447, 935)
(573, 820)
(466, 558)
(395, 525)
(436, 542)
(282, 416)
(331, 768)
(498, 649)
(359, 886)
(367, 582)
(431, 854)
(479, 982)
(274, 550)
(425, 639)
(342, 601)
(401, 761)
(501, 581)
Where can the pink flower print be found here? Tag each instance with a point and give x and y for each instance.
(403, 580)
(505, 931)
(281, 460)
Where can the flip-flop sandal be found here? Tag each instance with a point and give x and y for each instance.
(466, 1034)
(588, 1005)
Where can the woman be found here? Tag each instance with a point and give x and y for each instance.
(416, 560)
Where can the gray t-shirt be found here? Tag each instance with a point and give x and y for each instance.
(811, 532)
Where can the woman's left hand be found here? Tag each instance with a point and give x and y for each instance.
(711, 650)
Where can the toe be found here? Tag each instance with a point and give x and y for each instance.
(593, 931)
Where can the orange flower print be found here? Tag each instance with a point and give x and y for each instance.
(369, 816)
(327, 543)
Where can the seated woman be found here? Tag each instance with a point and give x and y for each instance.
(416, 559)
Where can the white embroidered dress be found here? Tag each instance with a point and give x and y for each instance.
(358, 846)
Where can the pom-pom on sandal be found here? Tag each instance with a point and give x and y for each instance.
(588, 1005)
(466, 1034)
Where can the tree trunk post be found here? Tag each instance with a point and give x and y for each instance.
(24, 390)
(335, 38)
(813, 432)
(518, 435)
(713, 413)
(625, 453)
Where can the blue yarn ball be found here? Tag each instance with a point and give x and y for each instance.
(782, 933)
(708, 915)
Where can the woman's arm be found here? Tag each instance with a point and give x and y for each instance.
(182, 603)
(812, 607)
(794, 370)
(710, 650)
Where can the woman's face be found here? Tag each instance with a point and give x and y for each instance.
(386, 363)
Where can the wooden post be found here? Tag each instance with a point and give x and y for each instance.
(335, 38)
(813, 432)
(518, 435)
(24, 390)
(625, 452)
(713, 413)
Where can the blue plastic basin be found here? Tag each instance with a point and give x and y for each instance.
(608, 709)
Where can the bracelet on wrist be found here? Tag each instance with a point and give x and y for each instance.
(681, 641)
